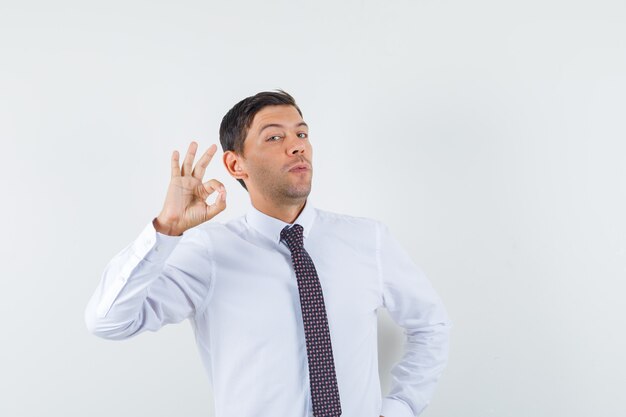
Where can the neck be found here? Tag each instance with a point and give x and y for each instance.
(285, 211)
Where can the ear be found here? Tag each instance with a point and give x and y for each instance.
(235, 165)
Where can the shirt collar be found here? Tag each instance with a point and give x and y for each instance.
(271, 227)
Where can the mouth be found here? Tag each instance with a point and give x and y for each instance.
(300, 168)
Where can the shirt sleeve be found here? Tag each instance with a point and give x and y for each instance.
(156, 280)
(414, 305)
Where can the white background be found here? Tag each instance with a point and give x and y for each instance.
(489, 136)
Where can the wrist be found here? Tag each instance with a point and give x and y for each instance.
(163, 228)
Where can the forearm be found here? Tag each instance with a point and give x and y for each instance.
(416, 375)
(414, 305)
(115, 310)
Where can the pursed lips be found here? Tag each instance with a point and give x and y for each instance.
(299, 168)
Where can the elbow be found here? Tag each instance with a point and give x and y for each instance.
(441, 326)
(436, 333)
(95, 326)
(107, 329)
(446, 325)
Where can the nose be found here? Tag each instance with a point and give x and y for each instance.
(295, 145)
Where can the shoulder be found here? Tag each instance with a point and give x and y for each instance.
(213, 228)
(332, 218)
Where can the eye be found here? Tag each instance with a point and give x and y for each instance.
(305, 135)
(272, 137)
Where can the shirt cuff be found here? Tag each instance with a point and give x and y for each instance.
(154, 246)
(395, 408)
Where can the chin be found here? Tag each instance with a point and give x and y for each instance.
(298, 192)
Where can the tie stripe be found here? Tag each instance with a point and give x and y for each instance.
(322, 377)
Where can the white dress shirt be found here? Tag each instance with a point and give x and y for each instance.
(235, 282)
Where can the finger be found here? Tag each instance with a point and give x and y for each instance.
(218, 205)
(175, 165)
(213, 185)
(203, 162)
(191, 154)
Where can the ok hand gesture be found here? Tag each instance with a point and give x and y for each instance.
(185, 204)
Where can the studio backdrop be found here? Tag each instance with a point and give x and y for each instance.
(487, 135)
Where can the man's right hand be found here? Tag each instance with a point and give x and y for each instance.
(185, 204)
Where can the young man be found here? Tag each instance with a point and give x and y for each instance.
(283, 300)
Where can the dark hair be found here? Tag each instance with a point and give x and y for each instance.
(235, 124)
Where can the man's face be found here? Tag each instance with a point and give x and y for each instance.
(278, 140)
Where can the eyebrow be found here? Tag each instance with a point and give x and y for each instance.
(279, 125)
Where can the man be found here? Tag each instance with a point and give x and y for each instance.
(283, 301)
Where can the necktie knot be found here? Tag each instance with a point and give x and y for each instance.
(293, 237)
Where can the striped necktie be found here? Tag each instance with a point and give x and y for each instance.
(322, 377)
